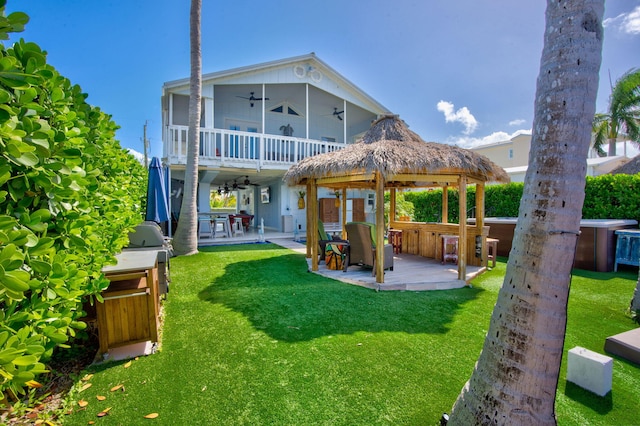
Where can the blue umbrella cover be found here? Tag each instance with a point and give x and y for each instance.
(157, 206)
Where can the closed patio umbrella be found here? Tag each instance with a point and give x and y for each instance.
(157, 206)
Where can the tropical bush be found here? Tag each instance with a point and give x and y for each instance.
(403, 207)
(68, 195)
(606, 197)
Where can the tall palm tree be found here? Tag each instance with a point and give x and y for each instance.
(185, 240)
(635, 301)
(516, 376)
(623, 117)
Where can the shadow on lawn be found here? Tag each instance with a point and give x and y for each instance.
(279, 296)
(599, 404)
(623, 272)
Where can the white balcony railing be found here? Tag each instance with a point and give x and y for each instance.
(222, 147)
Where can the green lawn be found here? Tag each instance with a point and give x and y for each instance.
(250, 337)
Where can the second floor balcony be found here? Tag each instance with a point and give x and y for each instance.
(232, 148)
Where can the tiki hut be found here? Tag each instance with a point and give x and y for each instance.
(389, 157)
(631, 167)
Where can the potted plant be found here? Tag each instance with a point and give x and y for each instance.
(301, 195)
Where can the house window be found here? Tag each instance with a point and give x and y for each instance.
(510, 154)
(327, 139)
(285, 108)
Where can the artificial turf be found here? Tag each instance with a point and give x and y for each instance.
(251, 337)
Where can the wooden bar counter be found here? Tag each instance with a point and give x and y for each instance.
(425, 239)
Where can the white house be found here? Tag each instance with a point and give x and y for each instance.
(256, 122)
(513, 156)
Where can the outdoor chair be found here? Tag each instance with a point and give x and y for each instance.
(204, 227)
(362, 246)
(324, 238)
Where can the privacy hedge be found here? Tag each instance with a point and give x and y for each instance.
(606, 197)
(68, 195)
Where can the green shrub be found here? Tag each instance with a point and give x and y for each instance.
(68, 195)
(606, 197)
(612, 197)
(403, 207)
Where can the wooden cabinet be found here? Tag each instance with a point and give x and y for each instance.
(130, 312)
(330, 213)
(358, 210)
(627, 248)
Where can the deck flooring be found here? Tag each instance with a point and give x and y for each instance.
(410, 272)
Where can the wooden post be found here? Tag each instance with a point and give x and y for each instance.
(480, 221)
(445, 204)
(392, 206)
(312, 205)
(344, 214)
(379, 228)
(462, 237)
(309, 220)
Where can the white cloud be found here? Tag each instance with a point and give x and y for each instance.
(626, 22)
(463, 116)
(139, 156)
(517, 122)
(469, 142)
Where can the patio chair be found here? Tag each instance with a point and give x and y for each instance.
(323, 239)
(362, 244)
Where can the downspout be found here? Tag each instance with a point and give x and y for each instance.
(344, 122)
(306, 86)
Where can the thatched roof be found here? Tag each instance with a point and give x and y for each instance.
(629, 168)
(389, 147)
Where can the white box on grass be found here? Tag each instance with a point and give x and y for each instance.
(590, 370)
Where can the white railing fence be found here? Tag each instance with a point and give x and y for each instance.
(235, 146)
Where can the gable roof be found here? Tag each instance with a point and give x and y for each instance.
(303, 69)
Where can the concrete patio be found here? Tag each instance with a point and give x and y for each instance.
(410, 272)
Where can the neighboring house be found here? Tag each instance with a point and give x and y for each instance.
(256, 122)
(513, 156)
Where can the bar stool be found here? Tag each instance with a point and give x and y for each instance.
(492, 251)
(395, 238)
(204, 227)
(224, 223)
(449, 248)
(238, 229)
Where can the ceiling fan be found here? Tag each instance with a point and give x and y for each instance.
(337, 113)
(236, 186)
(247, 182)
(252, 98)
(224, 189)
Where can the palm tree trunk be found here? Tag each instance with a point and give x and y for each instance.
(516, 376)
(185, 241)
(635, 302)
(612, 147)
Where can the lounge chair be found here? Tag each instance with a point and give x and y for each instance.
(362, 246)
(324, 238)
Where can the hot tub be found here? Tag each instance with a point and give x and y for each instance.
(596, 246)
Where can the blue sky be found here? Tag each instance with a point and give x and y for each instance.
(457, 71)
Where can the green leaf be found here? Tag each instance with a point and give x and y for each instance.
(17, 20)
(25, 360)
(28, 159)
(4, 96)
(8, 355)
(16, 280)
(57, 94)
(43, 246)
